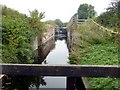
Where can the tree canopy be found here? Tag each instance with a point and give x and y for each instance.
(86, 11)
(58, 22)
(51, 22)
(111, 18)
(18, 33)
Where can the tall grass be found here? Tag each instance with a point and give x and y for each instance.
(95, 46)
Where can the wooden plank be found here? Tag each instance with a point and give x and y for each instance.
(62, 70)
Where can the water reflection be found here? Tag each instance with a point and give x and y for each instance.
(59, 55)
(23, 82)
(54, 82)
(53, 52)
(27, 82)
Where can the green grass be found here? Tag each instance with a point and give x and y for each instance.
(101, 54)
(104, 83)
(93, 46)
(106, 54)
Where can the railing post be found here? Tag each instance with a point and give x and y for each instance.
(70, 83)
(79, 84)
(75, 83)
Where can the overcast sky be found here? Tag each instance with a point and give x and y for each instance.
(62, 9)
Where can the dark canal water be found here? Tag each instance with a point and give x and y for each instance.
(57, 55)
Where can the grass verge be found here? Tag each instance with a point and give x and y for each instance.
(93, 46)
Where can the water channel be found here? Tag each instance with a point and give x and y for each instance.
(57, 55)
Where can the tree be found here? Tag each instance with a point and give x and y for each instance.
(110, 18)
(86, 11)
(36, 24)
(18, 33)
(51, 22)
(58, 22)
(65, 24)
(16, 37)
(35, 18)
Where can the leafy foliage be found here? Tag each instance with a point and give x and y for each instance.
(110, 18)
(18, 33)
(58, 22)
(54, 23)
(35, 22)
(51, 22)
(65, 24)
(94, 46)
(101, 55)
(104, 83)
(86, 11)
